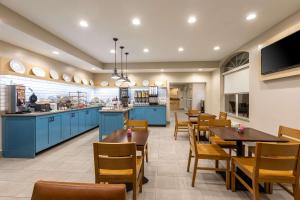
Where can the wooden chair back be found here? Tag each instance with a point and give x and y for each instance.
(193, 111)
(280, 157)
(114, 156)
(137, 125)
(293, 135)
(192, 139)
(219, 123)
(203, 120)
(223, 115)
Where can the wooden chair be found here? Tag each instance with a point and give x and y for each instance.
(49, 190)
(203, 123)
(206, 152)
(180, 126)
(293, 135)
(213, 139)
(118, 163)
(223, 115)
(139, 125)
(274, 163)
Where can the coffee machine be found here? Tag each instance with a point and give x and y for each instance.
(16, 98)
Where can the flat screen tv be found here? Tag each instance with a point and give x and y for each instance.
(281, 55)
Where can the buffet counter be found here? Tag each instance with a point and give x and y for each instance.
(25, 135)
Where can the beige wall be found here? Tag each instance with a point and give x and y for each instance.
(33, 59)
(275, 102)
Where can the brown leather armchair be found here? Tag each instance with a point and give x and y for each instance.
(48, 190)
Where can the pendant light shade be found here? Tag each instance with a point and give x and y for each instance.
(115, 74)
(126, 72)
(122, 78)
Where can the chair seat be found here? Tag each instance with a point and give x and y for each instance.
(212, 151)
(123, 172)
(183, 123)
(217, 140)
(247, 166)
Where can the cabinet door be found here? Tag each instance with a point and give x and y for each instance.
(55, 129)
(74, 123)
(66, 125)
(160, 115)
(88, 119)
(139, 114)
(94, 117)
(42, 133)
(81, 121)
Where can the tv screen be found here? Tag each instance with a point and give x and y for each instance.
(281, 55)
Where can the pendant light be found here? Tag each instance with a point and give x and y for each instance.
(126, 72)
(115, 74)
(122, 78)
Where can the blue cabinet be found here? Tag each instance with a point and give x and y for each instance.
(66, 125)
(155, 115)
(110, 122)
(42, 133)
(55, 129)
(74, 123)
(24, 136)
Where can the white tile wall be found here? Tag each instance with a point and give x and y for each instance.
(42, 88)
(106, 93)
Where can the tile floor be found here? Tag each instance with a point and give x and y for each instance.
(166, 170)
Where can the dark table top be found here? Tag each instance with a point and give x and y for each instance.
(248, 135)
(119, 136)
(197, 114)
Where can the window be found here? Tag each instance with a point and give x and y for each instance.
(236, 85)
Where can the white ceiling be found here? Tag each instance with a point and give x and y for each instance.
(163, 29)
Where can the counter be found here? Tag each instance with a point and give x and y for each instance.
(112, 120)
(156, 115)
(25, 135)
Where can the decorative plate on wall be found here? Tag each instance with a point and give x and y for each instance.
(17, 66)
(146, 83)
(77, 79)
(92, 83)
(158, 83)
(53, 74)
(132, 83)
(66, 77)
(38, 72)
(85, 82)
(104, 83)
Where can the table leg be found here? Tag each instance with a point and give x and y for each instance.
(239, 149)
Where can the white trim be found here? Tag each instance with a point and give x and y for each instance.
(236, 69)
(238, 117)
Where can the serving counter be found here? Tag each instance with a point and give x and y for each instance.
(25, 135)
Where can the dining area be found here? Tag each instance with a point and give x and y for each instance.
(271, 159)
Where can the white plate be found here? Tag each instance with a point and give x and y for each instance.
(158, 83)
(77, 79)
(17, 66)
(132, 83)
(146, 83)
(85, 82)
(118, 83)
(38, 72)
(66, 77)
(92, 83)
(53, 74)
(104, 83)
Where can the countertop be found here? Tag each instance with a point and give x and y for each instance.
(136, 106)
(116, 110)
(33, 114)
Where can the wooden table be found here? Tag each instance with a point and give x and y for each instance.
(196, 115)
(139, 137)
(248, 135)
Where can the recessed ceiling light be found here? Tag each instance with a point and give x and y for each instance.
(162, 70)
(192, 19)
(217, 48)
(83, 23)
(251, 16)
(146, 50)
(136, 21)
(93, 68)
(180, 49)
(200, 69)
(112, 51)
(55, 52)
